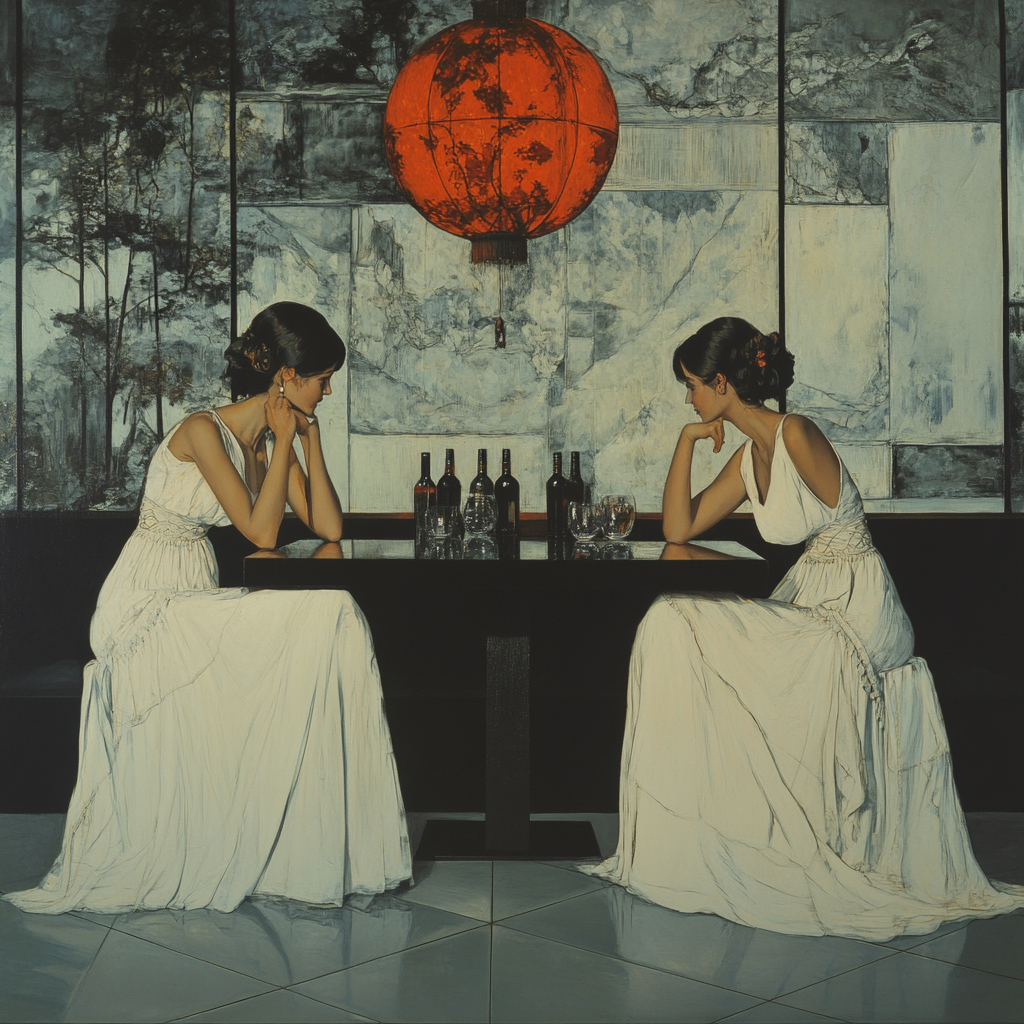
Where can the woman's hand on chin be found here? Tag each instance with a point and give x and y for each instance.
(715, 429)
(281, 418)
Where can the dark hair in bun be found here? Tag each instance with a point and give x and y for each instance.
(757, 365)
(283, 334)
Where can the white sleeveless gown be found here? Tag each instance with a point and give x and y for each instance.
(785, 763)
(232, 742)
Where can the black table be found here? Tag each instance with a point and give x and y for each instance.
(509, 607)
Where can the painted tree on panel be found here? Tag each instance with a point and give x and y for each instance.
(137, 186)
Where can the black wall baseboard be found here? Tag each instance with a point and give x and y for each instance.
(961, 581)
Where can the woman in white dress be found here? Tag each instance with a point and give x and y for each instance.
(785, 764)
(232, 742)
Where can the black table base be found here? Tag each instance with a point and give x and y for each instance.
(456, 839)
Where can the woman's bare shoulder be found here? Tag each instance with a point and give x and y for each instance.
(804, 437)
(195, 431)
(813, 456)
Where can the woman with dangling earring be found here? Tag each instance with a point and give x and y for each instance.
(785, 764)
(233, 743)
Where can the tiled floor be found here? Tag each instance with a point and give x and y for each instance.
(476, 941)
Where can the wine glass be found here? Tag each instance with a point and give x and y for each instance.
(480, 514)
(618, 513)
(584, 520)
(441, 524)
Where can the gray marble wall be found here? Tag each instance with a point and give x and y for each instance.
(8, 234)
(1015, 217)
(892, 246)
(894, 243)
(685, 229)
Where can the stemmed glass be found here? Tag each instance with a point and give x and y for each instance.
(442, 525)
(618, 513)
(584, 524)
(480, 517)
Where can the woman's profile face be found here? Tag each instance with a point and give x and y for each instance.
(308, 392)
(700, 395)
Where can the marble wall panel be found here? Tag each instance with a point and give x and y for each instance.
(8, 337)
(865, 60)
(303, 254)
(385, 466)
(342, 156)
(649, 269)
(1015, 219)
(288, 43)
(870, 465)
(837, 318)
(837, 162)
(947, 471)
(8, 54)
(268, 140)
(1015, 391)
(945, 283)
(697, 155)
(681, 59)
(424, 358)
(1015, 190)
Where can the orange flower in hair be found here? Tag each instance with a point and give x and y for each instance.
(760, 358)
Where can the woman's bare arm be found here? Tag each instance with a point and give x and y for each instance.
(313, 498)
(259, 521)
(815, 459)
(685, 517)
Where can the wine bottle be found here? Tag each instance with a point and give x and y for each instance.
(424, 495)
(577, 490)
(449, 490)
(557, 507)
(506, 494)
(481, 483)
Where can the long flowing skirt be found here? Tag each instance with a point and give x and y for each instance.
(770, 776)
(238, 745)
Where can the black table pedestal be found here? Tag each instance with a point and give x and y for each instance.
(506, 831)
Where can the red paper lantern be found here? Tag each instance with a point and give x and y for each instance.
(501, 129)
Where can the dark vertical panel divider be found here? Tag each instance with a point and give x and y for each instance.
(1004, 184)
(233, 162)
(782, 178)
(19, 383)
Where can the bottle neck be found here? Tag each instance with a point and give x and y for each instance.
(506, 462)
(449, 460)
(574, 464)
(425, 464)
(556, 462)
(481, 462)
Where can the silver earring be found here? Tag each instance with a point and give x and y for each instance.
(280, 387)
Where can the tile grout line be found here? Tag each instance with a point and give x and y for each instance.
(677, 974)
(966, 967)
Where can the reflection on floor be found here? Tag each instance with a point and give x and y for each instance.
(483, 941)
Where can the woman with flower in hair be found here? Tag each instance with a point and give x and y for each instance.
(785, 764)
(232, 743)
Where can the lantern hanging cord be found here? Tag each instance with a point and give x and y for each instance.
(499, 324)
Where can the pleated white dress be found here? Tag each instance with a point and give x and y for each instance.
(232, 742)
(785, 763)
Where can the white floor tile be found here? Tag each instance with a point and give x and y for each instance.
(284, 942)
(446, 980)
(537, 980)
(906, 987)
(706, 948)
(134, 980)
(280, 1007)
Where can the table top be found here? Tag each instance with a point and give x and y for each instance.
(649, 566)
(530, 551)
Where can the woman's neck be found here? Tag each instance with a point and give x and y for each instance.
(758, 422)
(247, 420)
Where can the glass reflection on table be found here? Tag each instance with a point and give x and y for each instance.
(529, 550)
